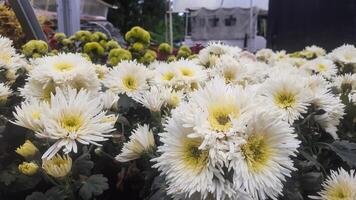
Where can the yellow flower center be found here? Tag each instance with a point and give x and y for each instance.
(187, 71)
(71, 123)
(36, 115)
(322, 68)
(339, 192)
(256, 152)
(5, 58)
(130, 82)
(168, 76)
(194, 158)
(285, 99)
(63, 66)
(229, 75)
(220, 116)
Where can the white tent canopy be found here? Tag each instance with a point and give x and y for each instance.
(183, 5)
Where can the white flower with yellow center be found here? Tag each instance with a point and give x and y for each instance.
(182, 155)
(65, 70)
(128, 77)
(264, 158)
(101, 71)
(340, 185)
(29, 114)
(287, 95)
(322, 66)
(174, 98)
(265, 55)
(165, 74)
(345, 54)
(34, 89)
(141, 142)
(74, 117)
(230, 69)
(190, 74)
(153, 99)
(317, 51)
(345, 82)
(210, 55)
(5, 92)
(9, 59)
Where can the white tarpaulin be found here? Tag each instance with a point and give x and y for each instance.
(183, 5)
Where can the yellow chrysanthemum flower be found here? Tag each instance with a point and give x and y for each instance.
(58, 166)
(28, 168)
(27, 149)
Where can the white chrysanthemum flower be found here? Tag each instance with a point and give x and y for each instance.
(345, 54)
(101, 71)
(141, 142)
(287, 95)
(339, 185)
(165, 74)
(153, 99)
(182, 155)
(74, 117)
(265, 55)
(34, 89)
(29, 115)
(345, 82)
(230, 69)
(323, 99)
(65, 70)
(5, 92)
(9, 59)
(190, 74)
(210, 55)
(315, 50)
(264, 158)
(279, 56)
(174, 98)
(322, 66)
(109, 99)
(128, 77)
(216, 113)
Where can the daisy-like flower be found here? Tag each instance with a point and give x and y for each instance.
(29, 114)
(165, 74)
(339, 185)
(264, 158)
(264, 55)
(58, 166)
(101, 71)
(190, 74)
(109, 99)
(345, 82)
(5, 92)
(153, 99)
(279, 56)
(74, 117)
(174, 98)
(287, 95)
(182, 155)
(9, 59)
(141, 142)
(345, 54)
(128, 77)
(230, 69)
(210, 55)
(322, 66)
(34, 89)
(313, 51)
(65, 70)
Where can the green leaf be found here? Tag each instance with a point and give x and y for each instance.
(52, 194)
(83, 165)
(93, 186)
(7, 178)
(36, 196)
(345, 150)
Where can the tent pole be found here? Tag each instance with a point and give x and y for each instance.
(251, 27)
(170, 24)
